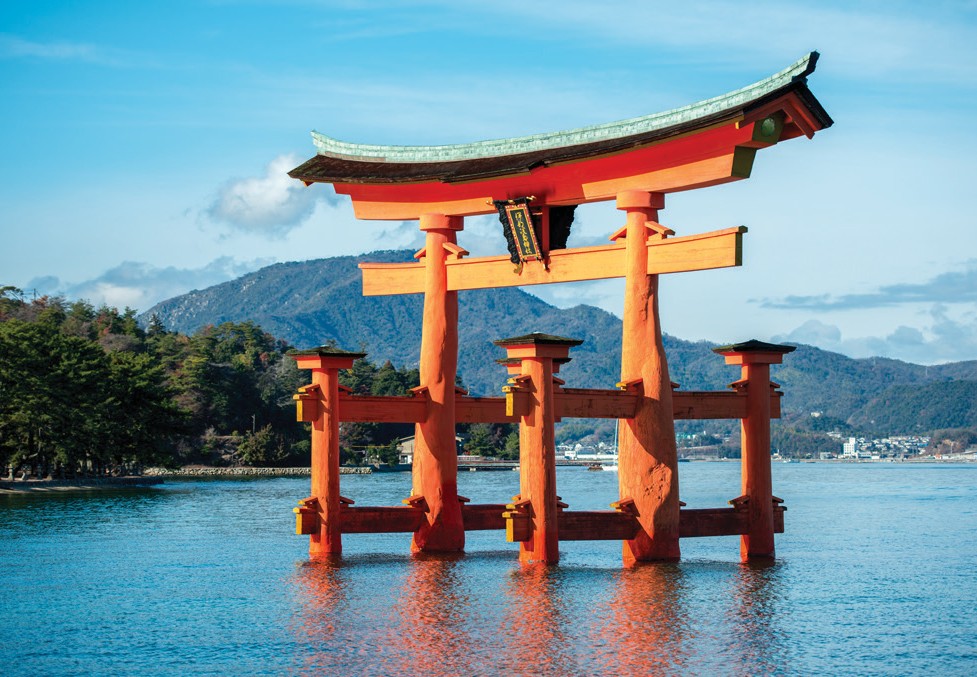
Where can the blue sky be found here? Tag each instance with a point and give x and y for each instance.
(143, 146)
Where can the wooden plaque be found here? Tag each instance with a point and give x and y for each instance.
(521, 224)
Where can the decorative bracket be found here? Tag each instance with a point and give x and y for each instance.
(416, 501)
(627, 506)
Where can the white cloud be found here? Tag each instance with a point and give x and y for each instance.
(270, 205)
(141, 285)
(944, 336)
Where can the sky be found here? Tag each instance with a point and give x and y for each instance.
(144, 147)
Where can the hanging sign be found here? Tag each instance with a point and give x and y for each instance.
(523, 235)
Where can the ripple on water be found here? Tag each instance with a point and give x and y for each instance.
(207, 578)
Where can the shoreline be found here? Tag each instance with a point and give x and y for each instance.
(157, 476)
(216, 472)
(31, 486)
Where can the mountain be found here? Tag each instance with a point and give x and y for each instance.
(310, 302)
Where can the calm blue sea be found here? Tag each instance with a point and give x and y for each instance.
(877, 574)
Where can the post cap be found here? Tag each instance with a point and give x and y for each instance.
(754, 346)
(754, 352)
(324, 357)
(324, 351)
(538, 339)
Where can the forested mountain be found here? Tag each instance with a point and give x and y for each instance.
(311, 302)
(86, 390)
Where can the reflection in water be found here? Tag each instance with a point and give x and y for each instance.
(648, 628)
(325, 617)
(760, 647)
(432, 612)
(536, 624)
(432, 616)
(386, 615)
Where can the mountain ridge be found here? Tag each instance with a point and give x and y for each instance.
(310, 302)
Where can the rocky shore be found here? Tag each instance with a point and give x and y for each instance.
(202, 471)
(80, 484)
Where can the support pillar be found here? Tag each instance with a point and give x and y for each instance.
(755, 358)
(647, 457)
(537, 443)
(318, 404)
(435, 469)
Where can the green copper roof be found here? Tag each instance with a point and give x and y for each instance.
(613, 130)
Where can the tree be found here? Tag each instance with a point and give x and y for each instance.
(262, 448)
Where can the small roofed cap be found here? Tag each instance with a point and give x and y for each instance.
(754, 346)
(538, 339)
(325, 351)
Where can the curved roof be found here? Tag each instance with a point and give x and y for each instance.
(343, 162)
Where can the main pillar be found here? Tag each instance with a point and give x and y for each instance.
(319, 405)
(537, 441)
(755, 358)
(647, 457)
(435, 469)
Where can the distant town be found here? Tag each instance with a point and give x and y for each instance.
(892, 448)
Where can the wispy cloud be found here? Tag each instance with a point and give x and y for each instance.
(141, 285)
(903, 40)
(951, 287)
(269, 205)
(16, 47)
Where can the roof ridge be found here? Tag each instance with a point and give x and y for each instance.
(797, 71)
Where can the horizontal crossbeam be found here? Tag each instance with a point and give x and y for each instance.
(596, 525)
(721, 522)
(717, 249)
(374, 520)
(572, 525)
(483, 517)
(570, 403)
(612, 525)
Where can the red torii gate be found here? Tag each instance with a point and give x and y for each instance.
(534, 183)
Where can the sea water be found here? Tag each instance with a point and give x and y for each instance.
(876, 574)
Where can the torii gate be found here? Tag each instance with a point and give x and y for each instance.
(534, 183)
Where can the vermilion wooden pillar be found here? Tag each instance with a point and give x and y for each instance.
(647, 457)
(319, 405)
(537, 443)
(435, 470)
(755, 358)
